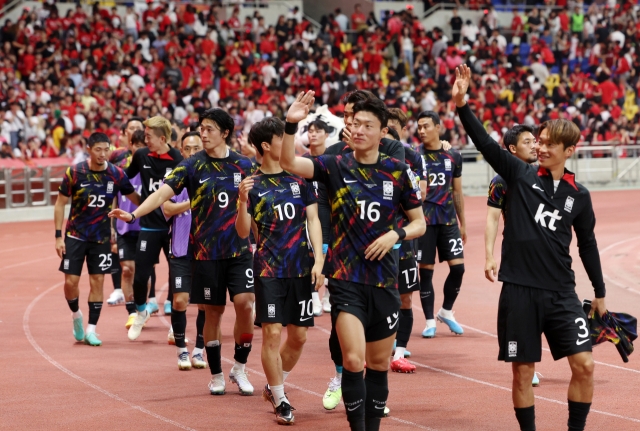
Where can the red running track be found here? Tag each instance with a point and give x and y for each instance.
(51, 382)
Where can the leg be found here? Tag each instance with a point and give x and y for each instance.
(243, 328)
(427, 299)
(71, 294)
(270, 355)
(333, 395)
(96, 297)
(352, 341)
(580, 389)
(71, 290)
(179, 319)
(292, 348)
(451, 289)
(405, 325)
(128, 269)
(376, 381)
(211, 333)
(522, 394)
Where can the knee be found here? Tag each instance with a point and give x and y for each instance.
(243, 305)
(457, 270)
(127, 269)
(271, 332)
(584, 368)
(353, 361)
(298, 339)
(406, 301)
(523, 374)
(180, 301)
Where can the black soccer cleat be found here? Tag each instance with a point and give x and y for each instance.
(284, 414)
(268, 396)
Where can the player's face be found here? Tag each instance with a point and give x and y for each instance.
(99, 153)
(190, 146)
(275, 148)
(367, 131)
(153, 141)
(316, 136)
(135, 147)
(211, 135)
(131, 128)
(428, 132)
(551, 154)
(348, 115)
(123, 141)
(525, 150)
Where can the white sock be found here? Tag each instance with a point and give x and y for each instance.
(278, 394)
(153, 301)
(339, 376)
(285, 374)
(76, 314)
(447, 314)
(399, 353)
(239, 367)
(196, 351)
(431, 323)
(143, 313)
(182, 350)
(316, 298)
(91, 329)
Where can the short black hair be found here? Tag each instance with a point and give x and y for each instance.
(430, 114)
(376, 107)
(320, 125)
(221, 118)
(513, 134)
(264, 131)
(190, 134)
(139, 119)
(174, 135)
(393, 133)
(98, 138)
(359, 96)
(137, 137)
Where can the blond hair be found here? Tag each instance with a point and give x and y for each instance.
(398, 115)
(563, 132)
(160, 126)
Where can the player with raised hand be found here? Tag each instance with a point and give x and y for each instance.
(281, 208)
(367, 190)
(92, 187)
(222, 260)
(538, 292)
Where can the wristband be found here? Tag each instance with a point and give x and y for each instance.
(133, 218)
(401, 233)
(58, 233)
(325, 248)
(290, 128)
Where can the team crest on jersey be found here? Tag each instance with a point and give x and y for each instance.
(121, 253)
(66, 264)
(387, 190)
(207, 293)
(447, 164)
(143, 245)
(271, 309)
(419, 255)
(110, 187)
(178, 282)
(237, 179)
(513, 349)
(568, 204)
(295, 189)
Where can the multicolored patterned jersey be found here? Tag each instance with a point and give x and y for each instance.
(180, 227)
(121, 157)
(212, 185)
(498, 195)
(92, 194)
(278, 204)
(324, 207)
(152, 168)
(365, 200)
(124, 228)
(442, 167)
(416, 163)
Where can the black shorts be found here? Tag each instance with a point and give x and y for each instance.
(525, 313)
(377, 308)
(284, 300)
(99, 257)
(180, 274)
(150, 244)
(212, 279)
(408, 276)
(127, 245)
(445, 238)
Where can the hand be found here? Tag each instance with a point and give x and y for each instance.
(120, 215)
(60, 247)
(114, 248)
(346, 135)
(490, 269)
(463, 234)
(446, 146)
(299, 110)
(380, 247)
(598, 306)
(460, 87)
(317, 277)
(243, 191)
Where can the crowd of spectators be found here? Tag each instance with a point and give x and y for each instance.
(64, 76)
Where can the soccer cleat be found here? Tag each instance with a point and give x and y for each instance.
(91, 339)
(284, 414)
(268, 396)
(198, 361)
(536, 381)
(240, 378)
(326, 305)
(138, 323)
(183, 361)
(402, 366)
(429, 332)
(152, 308)
(407, 354)
(116, 297)
(171, 339)
(167, 308)
(217, 384)
(451, 323)
(317, 308)
(386, 411)
(130, 320)
(78, 329)
(333, 395)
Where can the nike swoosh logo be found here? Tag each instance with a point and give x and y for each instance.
(146, 167)
(535, 186)
(306, 318)
(379, 408)
(249, 286)
(348, 182)
(262, 194)
(579, 343)
(352, 409)
(85, 185)
(205, 180)
(394, 324)
(411, 285)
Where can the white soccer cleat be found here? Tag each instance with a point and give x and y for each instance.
(241, 379)
(198, 361)
(326, 305)
(138, 323)
(183, 361)
(116, 297)
(317, 308)
(217, 384)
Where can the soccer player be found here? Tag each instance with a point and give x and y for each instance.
(538, 292)
(367, 189)
(91, 185)
(222, 260)
(280, 208)
(178, 210)
(153, 164)
(443, 207)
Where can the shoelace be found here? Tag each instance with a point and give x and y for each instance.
(335, 384)
(184, 356)
(198, 357)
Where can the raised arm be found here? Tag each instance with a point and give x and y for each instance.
(288, 159)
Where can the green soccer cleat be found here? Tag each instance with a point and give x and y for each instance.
(333, 395)
(91, 339)
(78, 329)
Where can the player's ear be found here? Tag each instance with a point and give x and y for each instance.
(512, 149)
(265, 147)
(383, 132)
(568, 152)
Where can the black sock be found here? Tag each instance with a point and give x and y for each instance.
(131, 307)
(94, 312)
(404, 327)
(426, 292)
(578, 415)
(354, 393)
(242, 352)
(377, 387)
(213, 357)
(526, 418)
(199, 329)
(179, 325)
(452, 285)
(116, 271)
(73, 304)
(152, 288)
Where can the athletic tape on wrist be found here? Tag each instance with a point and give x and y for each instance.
(290, 128)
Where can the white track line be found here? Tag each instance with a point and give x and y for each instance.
(27, 332)
(28, 262)
(620, 285)
(42, 244)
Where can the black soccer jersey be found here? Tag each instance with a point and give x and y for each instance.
(152, 168)
(498, 194)
(365, 200)
(416, 163)
(324, 207)
(442, 167)
(535, 249)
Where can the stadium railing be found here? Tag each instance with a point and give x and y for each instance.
(31, 185)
